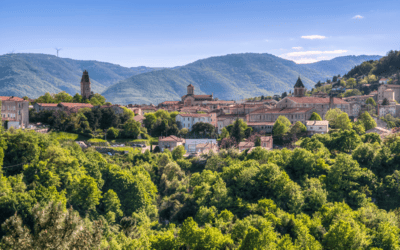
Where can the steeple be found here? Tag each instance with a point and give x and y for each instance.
(299, 89)
(85, 85)
(190, 89)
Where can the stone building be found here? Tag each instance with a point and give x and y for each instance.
(190, 99)
(73, 107)
(45, 106)
(389, 91)
(321, 105)
(227, 119)
(317, 127)
(169, 142)
(15, 110)
(86, 89)
(271, 115)
(261, 127)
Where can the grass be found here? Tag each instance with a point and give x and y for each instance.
(65, 136)
(122, 149)
(94, 140)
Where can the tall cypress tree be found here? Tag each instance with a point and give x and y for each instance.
(237, 131)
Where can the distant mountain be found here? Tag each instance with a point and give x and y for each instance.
(229, 77)
(35, 74)
(339, 65)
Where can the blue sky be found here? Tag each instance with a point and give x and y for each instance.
(171, 33)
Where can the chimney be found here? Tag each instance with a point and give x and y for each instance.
(331, 102)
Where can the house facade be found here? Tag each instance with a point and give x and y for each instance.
(15, 110)
(169, 142)
(188, 120)
(317, 127)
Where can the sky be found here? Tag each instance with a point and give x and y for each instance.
(174, 33)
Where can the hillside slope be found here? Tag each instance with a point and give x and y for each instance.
(36, 74)
(234, 76)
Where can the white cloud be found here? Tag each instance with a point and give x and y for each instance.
(297, 48)
(358, 17)
(305, 60)
(312, 37)
(314, 52)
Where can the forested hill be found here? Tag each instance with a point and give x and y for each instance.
(35, 74)
(234, 76)
(385, 66)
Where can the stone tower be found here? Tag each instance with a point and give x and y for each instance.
(190, 89)
(85, 85)
(299, 89)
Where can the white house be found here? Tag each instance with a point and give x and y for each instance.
(317, 127)
(383, 80)
(188, 120)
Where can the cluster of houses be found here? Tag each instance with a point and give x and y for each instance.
(192, 108)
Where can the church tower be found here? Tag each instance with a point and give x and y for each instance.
(190, 89)
(299, 89)
(85, 85)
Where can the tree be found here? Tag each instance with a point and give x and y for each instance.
(112, 133)
(344, 235)
(86, 194)
(343, 122)
(279, 128)
(385, 102)
(112, 203)
(368, 121)
(46, 98)
(371, 101)
(203, 128)
(351, 82)
(332, 115)
(334, 79)
(97, 99)
(372, 78)
(77, 98)
(315, 117)
(53, 228)
(298, 127)
(178, 152)
(237, 131)
(63, 97)
(132, 129)
(224, 133)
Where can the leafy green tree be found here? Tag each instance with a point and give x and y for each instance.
(343, 122)
(224, 133)
(53, 228)
(97, 99)
(86, 195)
(332, 115)
(343, 235)
(178, 152)
(112, 133)
(132, 129)
(298, 127)
(112, 203)
(203, 128)
(279, 128)
(237, 131)
(63, 97)
(315, 117)
(368, 121)
(46, 98)
(77, 98)
(371, 101)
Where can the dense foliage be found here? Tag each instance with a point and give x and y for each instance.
(337, 191)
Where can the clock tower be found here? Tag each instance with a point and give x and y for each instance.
(85, 85)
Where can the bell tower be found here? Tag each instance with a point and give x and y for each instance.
(85, 85)
(299, 89)
(190, 89)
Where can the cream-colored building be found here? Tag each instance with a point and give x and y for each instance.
(169, 142)
(15, 110)
(389, 91)
(317, 127)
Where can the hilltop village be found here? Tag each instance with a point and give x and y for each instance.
(202, 122)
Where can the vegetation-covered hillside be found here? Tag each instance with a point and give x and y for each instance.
(35, 74)
(337, 191)
(234, 76)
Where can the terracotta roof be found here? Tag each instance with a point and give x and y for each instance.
(138, 118)
(321, 100)
(148, 108)
(11, 98)
(170, 102)
(260, 124)
(171, 138)
(47, 104)
(317, 123)
(195, 115)
(202, 96)
(282, 110)
(72, 105)
(219, 102)
(246, 144)
(228, 116)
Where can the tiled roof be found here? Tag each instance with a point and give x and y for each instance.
(260, 124)
(317, 123)
(321, 100)
(138, 118)
(170, 102)
(246, 144)
(202, 96)
(11, 98)
(228, 116)
(195, 115)
(171, 138)
(282, 110)
(47, 104)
